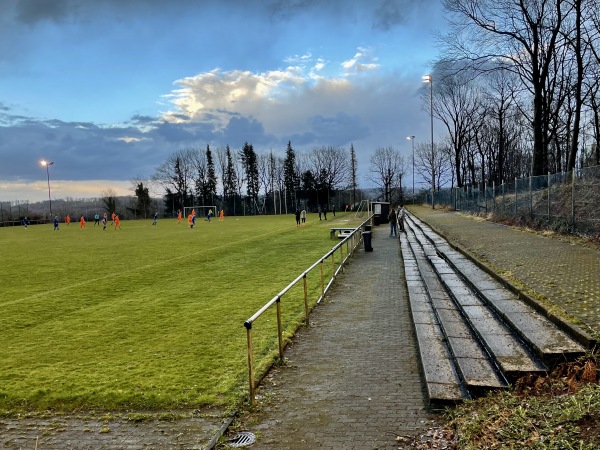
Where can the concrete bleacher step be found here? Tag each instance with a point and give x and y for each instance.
(441, 378)
(499, 342)
(477, 370)
(549, 343)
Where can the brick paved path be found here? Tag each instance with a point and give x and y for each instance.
(566, 274)
(352, 380)
(71, 433)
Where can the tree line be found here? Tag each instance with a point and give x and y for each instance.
(516, 89)
(248, 182)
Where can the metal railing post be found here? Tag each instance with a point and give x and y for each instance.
(322, 280)
(279, 329)
(248, 326)
(306, 300)
(333, 264)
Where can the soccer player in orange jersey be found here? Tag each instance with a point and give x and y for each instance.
(117, 222)
(68, 219)
(221, 216)
(82, 222)
(179, 216)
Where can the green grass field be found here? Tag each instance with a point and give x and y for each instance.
(147, 317)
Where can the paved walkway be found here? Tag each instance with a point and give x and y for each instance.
(352, 379)
(566, 274)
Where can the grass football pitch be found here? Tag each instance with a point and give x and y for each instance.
(147, 317)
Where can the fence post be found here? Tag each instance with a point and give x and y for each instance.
(573, 201)
(503, 204)
(494, 197)
(485, 195)
(248, 326)
(549, 190)
(279, 329)
(516, 196)
(530, 195)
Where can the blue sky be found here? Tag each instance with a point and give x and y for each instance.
(108, 88)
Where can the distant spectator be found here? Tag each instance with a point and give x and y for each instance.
(401, 214)
(297, 217)
(392, 219)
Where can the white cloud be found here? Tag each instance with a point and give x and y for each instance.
(282, 101)
(60, 189)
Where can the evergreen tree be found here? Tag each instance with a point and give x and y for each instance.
(143, 199)
(211, 188)
(290, 176)
(353, 170)
(230, 181)
(250, 166)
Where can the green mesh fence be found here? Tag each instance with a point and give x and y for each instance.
(566, 201)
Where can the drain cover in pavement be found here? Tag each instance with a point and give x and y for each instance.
(242, 439)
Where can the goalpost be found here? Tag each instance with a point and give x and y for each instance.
(201, 211)
(363, 209)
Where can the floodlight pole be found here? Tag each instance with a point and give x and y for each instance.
(48, 164)
(429, 79)
(412, 139)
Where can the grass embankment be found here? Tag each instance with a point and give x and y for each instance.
(147, 317)
(554, 412)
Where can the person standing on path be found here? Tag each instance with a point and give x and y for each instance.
(303, 216)
(392, 219)
(297, 217)
(401, 214)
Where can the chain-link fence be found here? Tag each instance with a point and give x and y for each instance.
(567, 201)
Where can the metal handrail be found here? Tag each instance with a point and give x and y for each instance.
(351, 242)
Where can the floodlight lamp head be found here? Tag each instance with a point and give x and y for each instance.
(426, 78)
(410, 138)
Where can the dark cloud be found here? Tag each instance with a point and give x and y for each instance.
(339, 129)
(383, 14)
(391, 13)
(33, 11)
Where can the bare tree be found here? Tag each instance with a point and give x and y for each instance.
(387, 170)
(524, 34)
(441, 163)
(457, 102)
(176, 176)
(330, 167)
